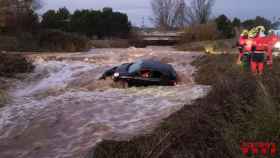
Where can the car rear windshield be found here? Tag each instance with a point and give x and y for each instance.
(135, 66)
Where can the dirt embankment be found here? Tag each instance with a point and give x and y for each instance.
(240, 108)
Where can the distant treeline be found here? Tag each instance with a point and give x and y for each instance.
(92, 23)
(227, 27)
(58, 30)
(223, 27)
(104, 23)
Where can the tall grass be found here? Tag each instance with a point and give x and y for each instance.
(3, 98)
(240, 107)
(205, 37)
(200, 32)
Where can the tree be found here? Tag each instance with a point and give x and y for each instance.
(258, 21)
(199, 11)
(18, 15)
(180, 14)
(63, 14)
(236, 22)
(105, 23)
(56, 19)
(168, 14)
(225, 27)
(50, 19)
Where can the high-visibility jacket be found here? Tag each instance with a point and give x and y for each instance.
(249, 44)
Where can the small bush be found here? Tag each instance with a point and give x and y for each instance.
(200, 32)
(12, 64)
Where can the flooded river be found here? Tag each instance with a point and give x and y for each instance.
(61, 110)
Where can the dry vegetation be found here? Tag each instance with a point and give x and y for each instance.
(205, 37)
(200, 32)
(215, 46)
(13, 63)
(240, 107)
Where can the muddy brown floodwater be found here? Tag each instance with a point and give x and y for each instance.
(62, 111)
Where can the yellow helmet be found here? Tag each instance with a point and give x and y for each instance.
(244, 33)
(260, 29)
(253, 33)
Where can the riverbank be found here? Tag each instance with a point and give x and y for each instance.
(240, 108)
(12, 64)
(223, 46)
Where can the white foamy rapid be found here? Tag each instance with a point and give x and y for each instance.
(62, 111)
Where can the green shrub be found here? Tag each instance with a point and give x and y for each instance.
(225, 26)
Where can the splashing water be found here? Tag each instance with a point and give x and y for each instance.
(62, 111)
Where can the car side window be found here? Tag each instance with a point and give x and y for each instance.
(150, 74)
(145, 73)
(156, 74)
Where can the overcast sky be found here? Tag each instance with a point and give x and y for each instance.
(137, 9)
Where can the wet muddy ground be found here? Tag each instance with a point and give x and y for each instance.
(61, 110)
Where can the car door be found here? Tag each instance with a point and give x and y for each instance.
(151, 77)
(144, 77)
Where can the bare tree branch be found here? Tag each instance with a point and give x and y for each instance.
(199, 11)
(168, 14)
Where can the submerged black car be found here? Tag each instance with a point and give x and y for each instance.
(143, 73)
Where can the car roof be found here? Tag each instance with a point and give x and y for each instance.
(157, 66)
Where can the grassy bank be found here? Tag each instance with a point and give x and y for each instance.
(213, 46)
(240, 107)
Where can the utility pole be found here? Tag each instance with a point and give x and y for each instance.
(143, 22)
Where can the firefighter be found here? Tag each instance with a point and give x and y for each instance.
(257, 54)
(260, 31)
(241, 44)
